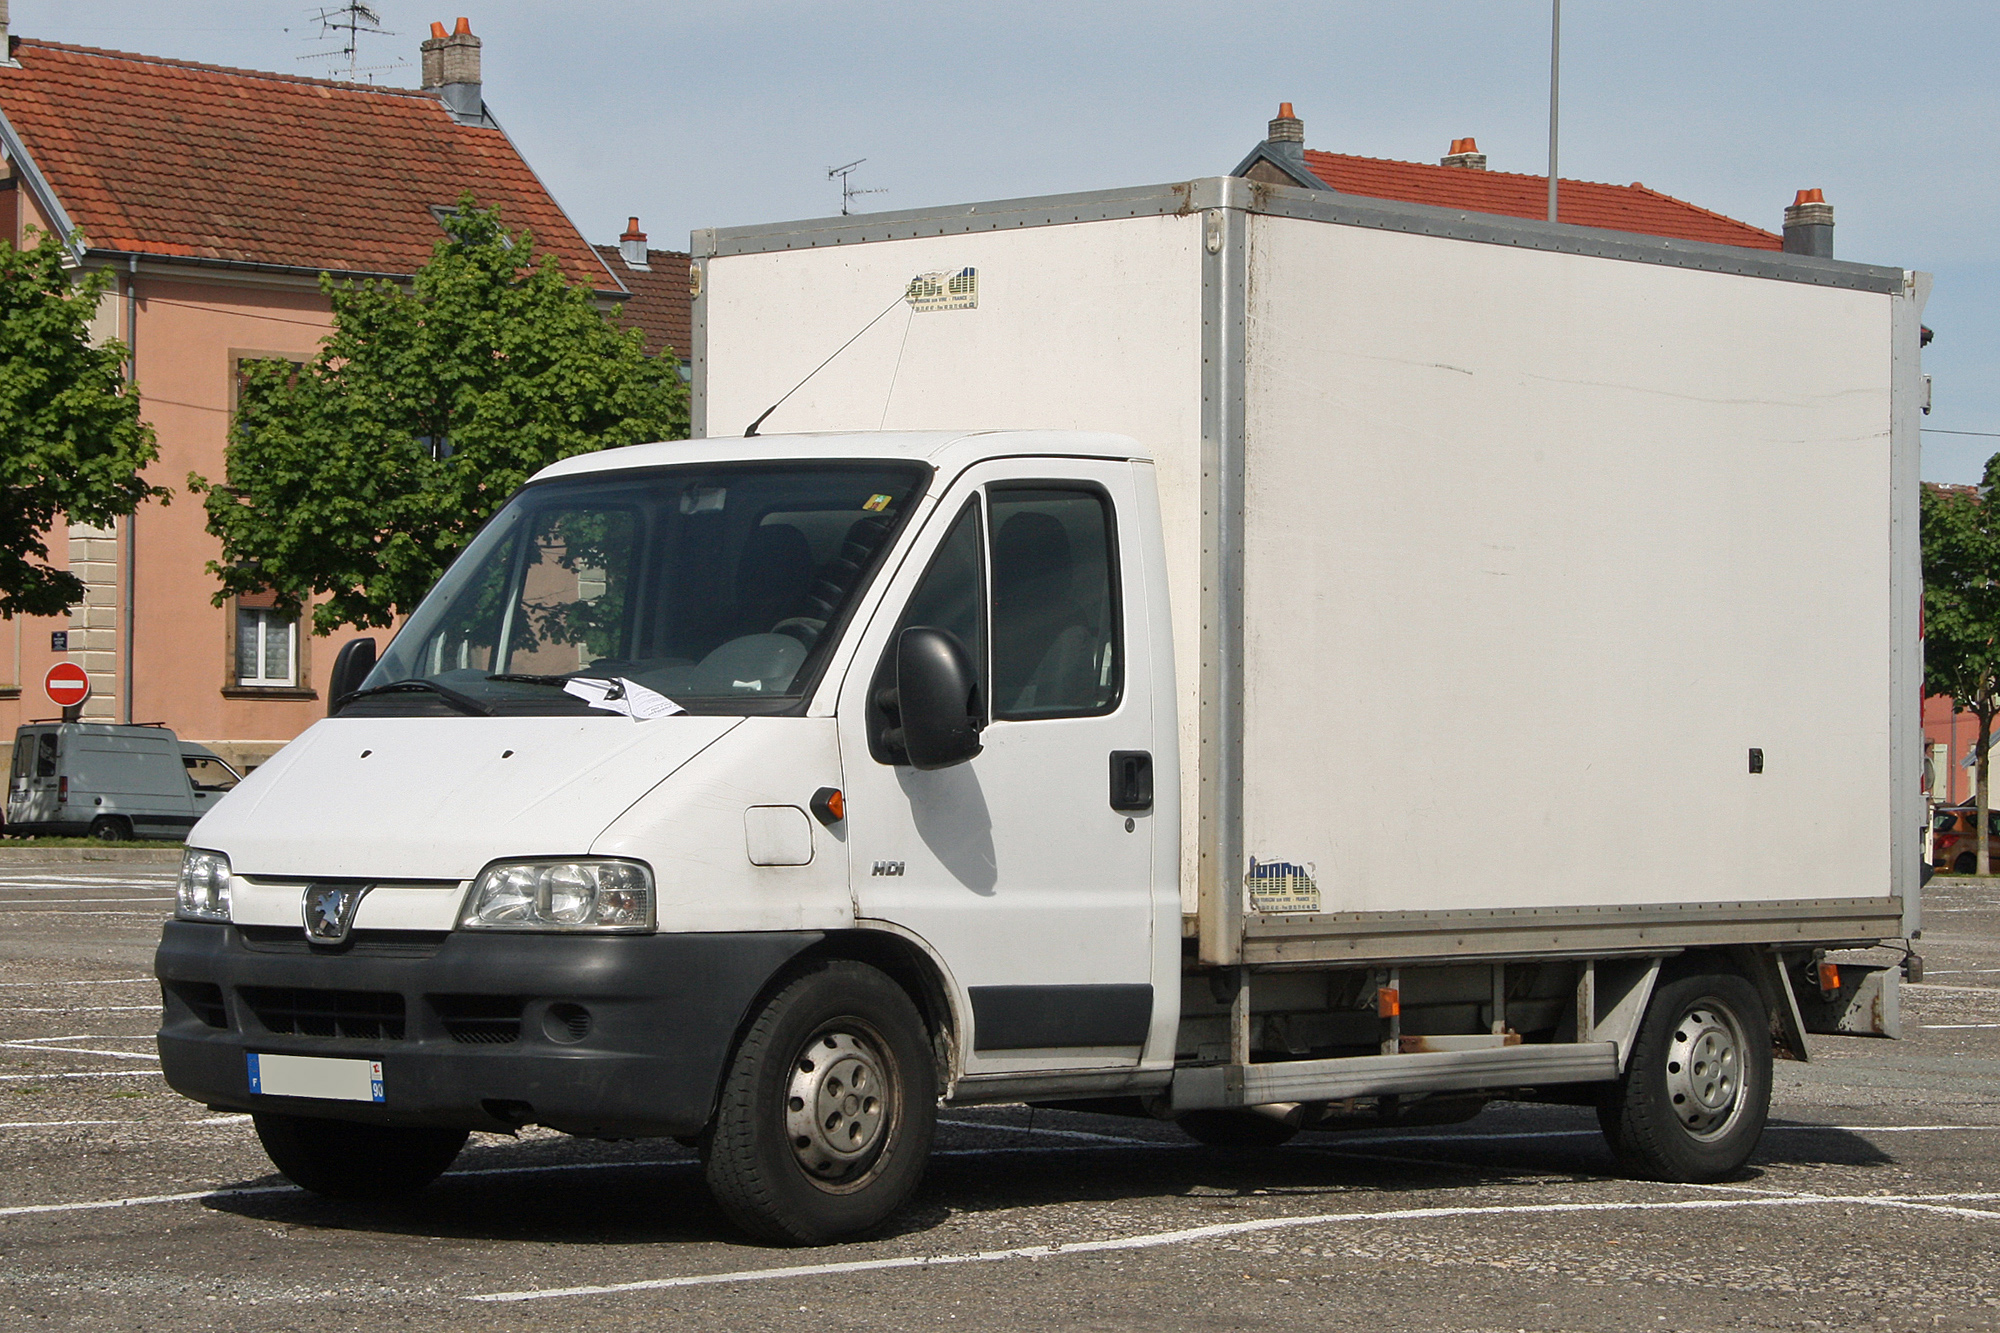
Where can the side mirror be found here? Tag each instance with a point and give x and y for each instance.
(937, 696)
(350, 668)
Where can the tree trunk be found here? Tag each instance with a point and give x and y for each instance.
(1981, 802)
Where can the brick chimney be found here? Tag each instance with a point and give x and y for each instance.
(6, 42)
(632, 247)
(1464, 153)
(451, 66)
(1287, 128)
(1809, 225)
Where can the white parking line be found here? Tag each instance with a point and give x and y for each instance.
(21, 911)
(62, 1124)
(1052, 1133)
(74, 1050)
(97, 1009)
(92, 1073)
(1952, 990)
(1389, 1139)
(49, 985)
(38, 902)
(1928, 1026)
(1221, 1230)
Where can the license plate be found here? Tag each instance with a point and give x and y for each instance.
(316, 1076)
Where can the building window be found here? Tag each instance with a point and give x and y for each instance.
(267, 647)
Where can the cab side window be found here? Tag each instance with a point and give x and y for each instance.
(1056, 650)
(951, 596)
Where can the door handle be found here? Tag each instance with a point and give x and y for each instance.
(1131, 780)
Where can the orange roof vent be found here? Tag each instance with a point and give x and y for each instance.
(437, 30)
(632, 232)
(1465, 145)
(1809, 197)
(463, 28)
(1285, 111)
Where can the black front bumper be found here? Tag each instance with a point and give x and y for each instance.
(663, 1013)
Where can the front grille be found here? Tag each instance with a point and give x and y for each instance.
(374, 1015)
(204, 998)
(480, 1020)
(363, 943)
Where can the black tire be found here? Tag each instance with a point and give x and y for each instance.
(110, 828)
(1965, 863)
(1692, 1102)
(1235, 1129)
(345, 1160)
(827, 1111)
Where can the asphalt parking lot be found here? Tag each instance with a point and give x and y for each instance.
(1873, 1203)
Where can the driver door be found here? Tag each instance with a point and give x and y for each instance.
(1013, 866)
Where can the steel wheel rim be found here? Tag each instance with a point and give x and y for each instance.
(1705, 1071)
(839, 1105)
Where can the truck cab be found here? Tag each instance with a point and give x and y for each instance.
(917, 700)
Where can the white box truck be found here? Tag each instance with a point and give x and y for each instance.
(1263, 659)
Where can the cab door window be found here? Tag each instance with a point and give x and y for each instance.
(1056, 650)
(950, 596)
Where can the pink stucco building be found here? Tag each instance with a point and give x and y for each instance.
(216, 198)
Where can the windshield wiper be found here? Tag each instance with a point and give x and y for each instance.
(464, 703)
(521, 678)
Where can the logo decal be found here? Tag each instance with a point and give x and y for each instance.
(1282, 886)
(888, 868)
(329, 910)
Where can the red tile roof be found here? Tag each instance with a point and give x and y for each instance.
(661, 305)
(1585, 203)
(168, 157)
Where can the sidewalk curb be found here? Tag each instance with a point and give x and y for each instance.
(75, 855)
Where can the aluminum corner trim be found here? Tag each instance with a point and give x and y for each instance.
(38, 186)
(1225, 268)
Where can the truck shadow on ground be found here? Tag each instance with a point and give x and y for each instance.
(647, 1193)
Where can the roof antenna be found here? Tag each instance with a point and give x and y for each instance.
(900, 298)
(344, 24)
(847, 191)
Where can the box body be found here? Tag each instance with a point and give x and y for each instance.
(1495, 548)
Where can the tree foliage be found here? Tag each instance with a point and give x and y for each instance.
(1961, 543)
(71, 442)
(358, 476)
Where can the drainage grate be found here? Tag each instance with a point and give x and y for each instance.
(479, 1020)
(375, 1015)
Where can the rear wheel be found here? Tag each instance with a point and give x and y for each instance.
(827, 1111)
(1235, 1129)
(110, 828)
(1693, 1099)
(1965, 863)
(345, 1160)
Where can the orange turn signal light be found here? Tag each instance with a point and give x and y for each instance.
(1829, 976)
(1388, 1001)
(829, 806)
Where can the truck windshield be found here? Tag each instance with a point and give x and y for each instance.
(721, 587)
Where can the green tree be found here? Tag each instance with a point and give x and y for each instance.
(1961, 541)
(71, 442)
(359, 475)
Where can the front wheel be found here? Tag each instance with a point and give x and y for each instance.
(1692, 1102)
(827, 1111)
(345, 1160)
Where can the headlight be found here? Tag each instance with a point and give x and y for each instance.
(561, 895)
(204, 890)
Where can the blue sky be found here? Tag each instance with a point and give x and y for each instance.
(706, 112)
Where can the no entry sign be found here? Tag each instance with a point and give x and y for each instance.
(66, 684)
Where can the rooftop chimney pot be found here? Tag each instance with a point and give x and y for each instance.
(1464, 153)
(1809, 225)
(1287, 128)
(632, 247)
(451, 66)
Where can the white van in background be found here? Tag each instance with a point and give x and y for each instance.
(111, 782)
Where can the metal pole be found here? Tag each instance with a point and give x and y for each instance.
(1555, 86)
(131, 616)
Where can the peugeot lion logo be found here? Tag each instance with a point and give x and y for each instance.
(329, 910)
